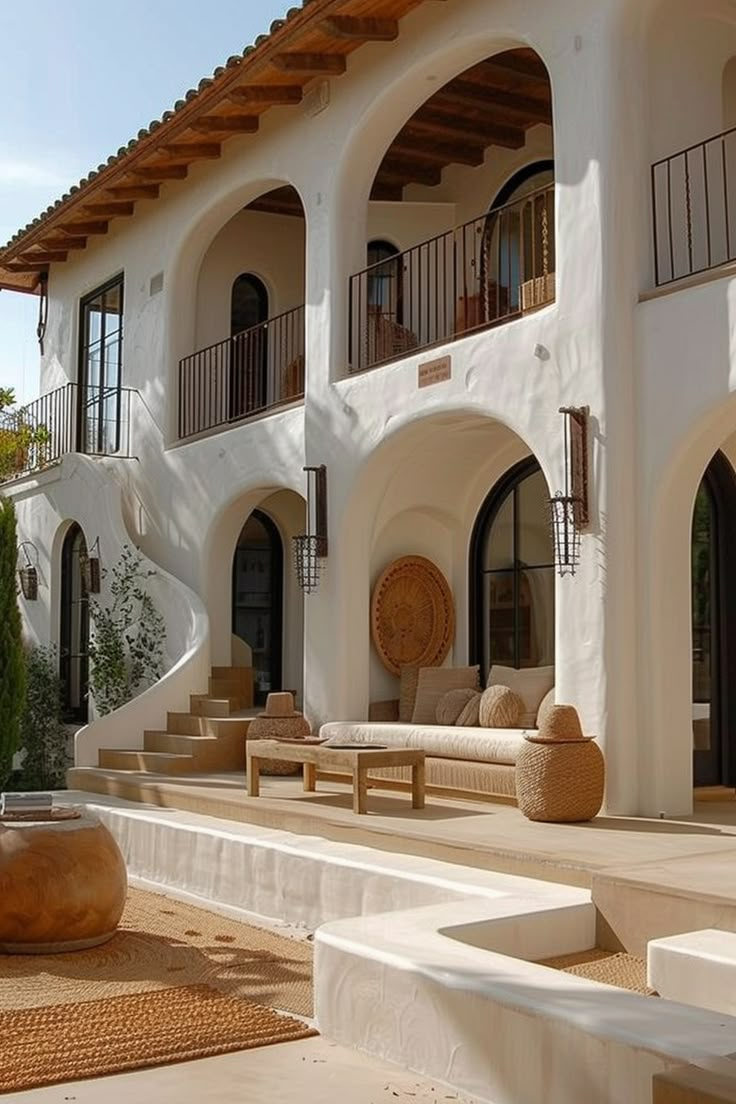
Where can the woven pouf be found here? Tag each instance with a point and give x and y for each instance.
(265, 727)
(560, 773)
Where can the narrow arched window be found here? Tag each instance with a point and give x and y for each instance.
(512, 613)
(248, 303)
(74, 628)
(384, 280)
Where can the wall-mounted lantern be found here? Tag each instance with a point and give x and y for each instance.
(310, 548)
(90, 567)
(29, 572)
(569, 510)
(43, 309)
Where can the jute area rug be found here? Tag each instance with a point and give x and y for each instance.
(625, 971)
(175, 983)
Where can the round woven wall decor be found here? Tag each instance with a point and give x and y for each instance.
(412, 615)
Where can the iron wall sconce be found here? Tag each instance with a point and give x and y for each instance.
(29, 572)
(310, 548)
(91, 572)
(569, 509)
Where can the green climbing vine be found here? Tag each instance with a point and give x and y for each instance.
(12, 659)
(128, 635)
(43, 737)
(23, 445)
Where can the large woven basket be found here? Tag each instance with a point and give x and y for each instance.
(266, 728)
(560, 782)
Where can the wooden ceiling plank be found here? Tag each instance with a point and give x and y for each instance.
(477, 97)
(235, 124)
(266, 94)
(44, 258)
(21, 266)
(386, 193)
(134, 191)
(194, 151)
(63, 243)
(475, 134)
(311, 65)
(394, 169)
(439, 153)
(512, 61)
(361, 29)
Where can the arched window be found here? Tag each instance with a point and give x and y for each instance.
(248, 376)
(257, 602)
(384, 280)
(519, 242)
(512, 589)
(74, 628)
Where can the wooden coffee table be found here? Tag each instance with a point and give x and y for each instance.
(356, 761)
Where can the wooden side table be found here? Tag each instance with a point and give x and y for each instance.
(343, 760)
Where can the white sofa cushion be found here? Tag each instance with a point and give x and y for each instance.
(530, 683)
(482, 745)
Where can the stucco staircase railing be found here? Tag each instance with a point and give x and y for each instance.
(210, 737)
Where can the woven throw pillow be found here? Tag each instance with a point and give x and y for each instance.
(499, 707)
(545, 707)
(451, 704)
(436, 681)
(530, 683)
(409, 677)
(469, 716)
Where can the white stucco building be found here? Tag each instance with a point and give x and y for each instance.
(493, 162)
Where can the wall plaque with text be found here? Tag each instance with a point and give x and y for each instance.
(434, 371)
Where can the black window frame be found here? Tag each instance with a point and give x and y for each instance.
(87, 400)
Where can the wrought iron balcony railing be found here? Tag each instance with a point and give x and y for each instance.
(488, 271)
(694, 209)
(254, 371)
(72, 418)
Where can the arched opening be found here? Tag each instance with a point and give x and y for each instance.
(249, 350)
(384, 283)
(257, 599)
(431, 196)
(249, 317)
(713, 592)
(512, 581)
(74, 628)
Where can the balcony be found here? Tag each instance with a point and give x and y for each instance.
(255, 371)
(73, 418)
(484, 273)
(694, 209)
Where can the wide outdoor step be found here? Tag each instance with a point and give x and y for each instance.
(205, 706)
(243, 676)
(212, 753)
(156, 761)
(191, 724)
(230, 688)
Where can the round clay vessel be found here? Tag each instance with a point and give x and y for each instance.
(63, 884)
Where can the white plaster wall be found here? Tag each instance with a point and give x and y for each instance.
(268, 245)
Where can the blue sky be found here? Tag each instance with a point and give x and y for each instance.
(80, 79)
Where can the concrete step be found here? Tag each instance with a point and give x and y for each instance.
(190, 724)
(209, 753)
(203, 705)
(229, 688)
(158, 762)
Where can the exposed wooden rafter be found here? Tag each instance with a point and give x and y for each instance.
(160, 172)
(362, 28)
(115, 208)
(266, 94)
(234, 124)
(193, 151)
(134, 191)
(311, 65)
(80, 226)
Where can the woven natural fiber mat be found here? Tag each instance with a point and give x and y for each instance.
(68, 1042)
(163, 943)
(625, 971)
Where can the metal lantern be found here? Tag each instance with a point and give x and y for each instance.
(90, 568)
(569, 512)
(310, 548)
(29, 572)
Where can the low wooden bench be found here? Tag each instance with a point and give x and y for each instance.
(355, 761)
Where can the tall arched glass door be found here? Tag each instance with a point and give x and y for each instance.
(512, 589)
(74, 628)
(249, 345)
(257, 599)
(714, 626)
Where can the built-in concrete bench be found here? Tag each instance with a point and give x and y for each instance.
(697, 968)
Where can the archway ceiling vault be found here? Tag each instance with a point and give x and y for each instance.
(493, 103)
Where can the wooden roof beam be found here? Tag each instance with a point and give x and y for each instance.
(511, 62)
(406, 170)
(91, 227)
(160, 172)
(235, 124)
(115, 208)
(194, 151)
(386, 193)
(21, 267)
(478, 97)
(50, 257)
(63, 243)
(474, 134)
(439, 153)
(311, 65)
(134, 191)
(269, 95)
(360, 29)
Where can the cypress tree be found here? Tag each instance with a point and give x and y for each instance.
(12, 660)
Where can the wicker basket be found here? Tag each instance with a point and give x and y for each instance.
(560, 782)
(266, 728)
